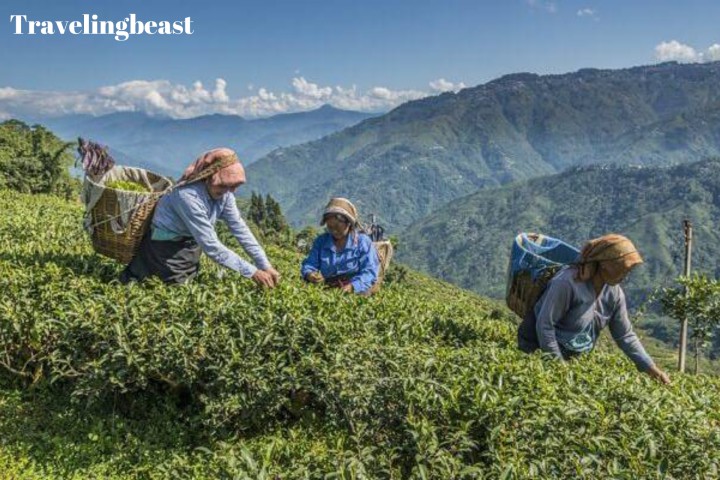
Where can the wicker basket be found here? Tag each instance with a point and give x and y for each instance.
(385, 253)
(523, 293)
(116, 230)
(121, 242)
(540, 254)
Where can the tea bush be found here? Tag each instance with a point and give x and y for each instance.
(217, 379)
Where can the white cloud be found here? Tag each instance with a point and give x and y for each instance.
(680, 52)
(7, 92)
(381, 92)
(219, 95)
(548, 6)
(442, 85)
(586, 12)
(312, 90)
(161, 97)
(674, 50)
(713, 53)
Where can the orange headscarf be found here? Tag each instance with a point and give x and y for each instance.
(608, 248)
(230, 176)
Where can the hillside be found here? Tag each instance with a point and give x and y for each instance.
(219, 380)
(468, 241)
(168, 145)
(407, 163)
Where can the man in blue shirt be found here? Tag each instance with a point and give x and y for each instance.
(342, 257)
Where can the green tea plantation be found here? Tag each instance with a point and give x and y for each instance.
(218, 379)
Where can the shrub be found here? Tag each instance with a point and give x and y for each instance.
(34, 160)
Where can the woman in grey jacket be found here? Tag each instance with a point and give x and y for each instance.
(584, 298)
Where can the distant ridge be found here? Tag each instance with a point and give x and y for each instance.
(411, 161)
(168, 145)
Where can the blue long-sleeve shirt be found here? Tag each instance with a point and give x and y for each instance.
(190, 211)
(358, 260)
(569, 314)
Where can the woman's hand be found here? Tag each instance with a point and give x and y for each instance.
(274, 274)
(659, 375)
(347, 288)
(264, 279)
(314, 277)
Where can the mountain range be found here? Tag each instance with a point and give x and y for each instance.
(167, 145)
(411, 161)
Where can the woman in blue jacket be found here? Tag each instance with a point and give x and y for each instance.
(342, 257)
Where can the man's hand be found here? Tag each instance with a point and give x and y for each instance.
(274, 274)
(314, 277)
(659, 375)
(264, 279)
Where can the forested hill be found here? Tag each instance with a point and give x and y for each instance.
(409, 162)
(468, 241)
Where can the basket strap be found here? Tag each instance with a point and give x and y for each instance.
(221, 163)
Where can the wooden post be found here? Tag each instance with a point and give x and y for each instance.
(684, 324)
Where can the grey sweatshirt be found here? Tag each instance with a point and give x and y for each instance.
(569, 315)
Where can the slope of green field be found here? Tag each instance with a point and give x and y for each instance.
(220, 380)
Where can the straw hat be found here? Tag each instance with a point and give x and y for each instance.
(341, 206)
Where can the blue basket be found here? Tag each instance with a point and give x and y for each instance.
(534, 259)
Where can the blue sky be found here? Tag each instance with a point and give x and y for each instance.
(380, 53)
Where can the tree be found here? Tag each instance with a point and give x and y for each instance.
(697, 298)
(275, 220)
(267, 216)
(257, 209)
(34, 160)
